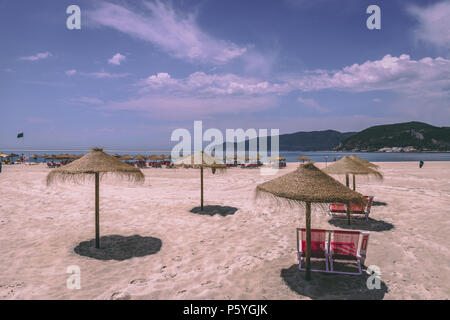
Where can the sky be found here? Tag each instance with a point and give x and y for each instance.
(138, 70)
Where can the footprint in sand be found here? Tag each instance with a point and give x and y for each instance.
(120, 296)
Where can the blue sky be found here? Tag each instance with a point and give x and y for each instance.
(137, 70)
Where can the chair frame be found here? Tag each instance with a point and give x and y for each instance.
(326, 251)
(365, 212)
(360, 257)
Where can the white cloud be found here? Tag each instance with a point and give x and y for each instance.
(117, 59)
(434, 23)
(402, 74)
(172, 32)
(71, 72)
(213, 84)
(87, 100)
(184, 107)
(311, 103)
(38, 56)
(105, 75)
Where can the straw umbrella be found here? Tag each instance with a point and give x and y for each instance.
(303, 159)
(307, 185)
(154, 157)
(347, 166)
(140, 157)
(126, 157)
(202, 160)
(364, 162)
(277, 158)
(96, 163)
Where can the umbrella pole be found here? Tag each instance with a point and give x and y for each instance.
(201, 187)
(97, 214)
(354, 183)
(348, 214)
(347, 180)
(308, 241)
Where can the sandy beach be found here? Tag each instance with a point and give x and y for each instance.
(245, 249)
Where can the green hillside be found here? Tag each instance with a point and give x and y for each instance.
(419, 135)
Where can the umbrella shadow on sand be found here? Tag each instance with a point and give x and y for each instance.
(119, 248)
(379, 203)
(361, 224)
(327, 286)
(213, 210)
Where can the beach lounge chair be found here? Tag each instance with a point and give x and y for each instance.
(344, 246)
(319, 247)
(354, 208)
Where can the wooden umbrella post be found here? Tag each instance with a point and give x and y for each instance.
(201, 187)
(354, 183)
(308, 241)
(348, 213)
(97, 209)
(347, 180)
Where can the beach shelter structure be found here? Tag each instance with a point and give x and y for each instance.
(140, 157)
(201, 160)
(277, 158)
(305, 186)
(364, 162)
(303, 159)
(154, 157)
(347, 166)
(126, 157)
(95, 164)
(116, 155)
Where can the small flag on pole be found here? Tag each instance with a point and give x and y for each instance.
(20, 135)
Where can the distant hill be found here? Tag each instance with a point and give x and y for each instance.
(416, 135)
(308, 141)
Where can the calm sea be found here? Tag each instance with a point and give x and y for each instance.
(291, 156)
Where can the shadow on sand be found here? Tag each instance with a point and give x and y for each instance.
(326, 286)
(119, 248)
(213, 210)
(379, 203)
(361, 224)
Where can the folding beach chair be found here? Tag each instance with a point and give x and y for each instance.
(354, 208)
(358, 209)
(344, 246)
(319, 247)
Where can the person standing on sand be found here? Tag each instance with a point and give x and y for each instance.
(1, 166)
(421, 164)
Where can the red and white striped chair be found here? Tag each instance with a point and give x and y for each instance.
(319, 247)
(339, 208)
(344, 246)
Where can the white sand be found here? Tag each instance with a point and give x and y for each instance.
(250, 254)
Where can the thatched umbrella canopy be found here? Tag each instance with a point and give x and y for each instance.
(63, 156)
(116, 155)
(140, 157)
(96, 163)
(202, 160)
(364, 162)
(12, 155)
(277, 158)
(126, 157)
(154, 157)
(303, 159)
(307, 185)
(347, 166)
